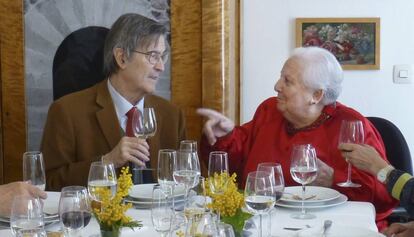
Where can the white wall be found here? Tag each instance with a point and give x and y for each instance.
(268, 38)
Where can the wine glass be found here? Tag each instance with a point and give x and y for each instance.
(34, 169)
(304, 170)
(102, 176)
(351, 132)
(259, 194)
(26, 218)
(74, 209)
(186, 170)
(162, 212)
(278, 182)
(188, 146)
(218, 173)
(144, 126)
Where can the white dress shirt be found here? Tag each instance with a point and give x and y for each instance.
(122, 106)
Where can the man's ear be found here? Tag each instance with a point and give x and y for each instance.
(120, 57)
(318, 96)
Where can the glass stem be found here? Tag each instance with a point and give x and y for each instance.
(260, 226)
(303, 200)
(349, 173)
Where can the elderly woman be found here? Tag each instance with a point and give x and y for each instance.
(304, 111)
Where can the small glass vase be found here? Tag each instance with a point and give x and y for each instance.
(111, 233)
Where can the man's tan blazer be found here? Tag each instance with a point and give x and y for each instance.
(83, 126)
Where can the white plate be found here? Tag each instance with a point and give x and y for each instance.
(339, 231)
(312, 194)
(143, 192)
(334, 202)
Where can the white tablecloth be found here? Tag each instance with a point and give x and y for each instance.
(353, 214)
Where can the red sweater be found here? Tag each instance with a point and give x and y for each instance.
(265, 139)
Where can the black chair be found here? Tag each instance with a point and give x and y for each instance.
(398, 155)
(78, 62)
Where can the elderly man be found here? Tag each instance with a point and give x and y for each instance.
(9, 191)
(84, 126)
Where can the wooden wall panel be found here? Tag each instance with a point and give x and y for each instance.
(1, 126)
(205, 58)
(186, 61)
(220, 60)
(12, 86)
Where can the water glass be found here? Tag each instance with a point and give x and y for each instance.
(34, 169)
(74, 209)
(26, 218)
(102, 176)
(304, 170)
(259, 194)
(162, 213)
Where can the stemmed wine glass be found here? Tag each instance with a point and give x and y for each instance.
(74, 209)
(34, 169)
(304, 170)
(259, 194)
(351, 132)
(188, 146)
(218, 173)
(26, 217)
(166, 160)
(278, 182)
(102, 176)
(144, 126)
(187, 168)
(162, 212)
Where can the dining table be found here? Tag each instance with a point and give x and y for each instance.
(348, 215)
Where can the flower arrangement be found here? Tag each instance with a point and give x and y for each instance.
(111, 214)
(229, 203)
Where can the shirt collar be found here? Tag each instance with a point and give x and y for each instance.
(122, 106)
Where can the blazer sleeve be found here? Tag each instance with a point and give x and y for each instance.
(59, 150)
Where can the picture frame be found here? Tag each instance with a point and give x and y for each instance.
(355, 42)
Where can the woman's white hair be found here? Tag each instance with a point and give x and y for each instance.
(320, 71)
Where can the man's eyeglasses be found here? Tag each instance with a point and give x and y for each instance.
(154, 57)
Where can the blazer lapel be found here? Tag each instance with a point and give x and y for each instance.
(107, 118)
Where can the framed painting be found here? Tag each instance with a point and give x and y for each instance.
(355, 42)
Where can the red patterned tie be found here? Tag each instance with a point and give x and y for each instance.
(131, 114)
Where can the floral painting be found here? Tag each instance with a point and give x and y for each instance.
(353, 41)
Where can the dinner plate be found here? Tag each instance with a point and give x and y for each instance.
(339, 231)
(143, 192)
(312, 205)
(313, 194)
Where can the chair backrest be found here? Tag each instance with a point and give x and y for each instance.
(396, 147)
(78, 61)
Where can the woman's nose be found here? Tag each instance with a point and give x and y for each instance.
(277, 87)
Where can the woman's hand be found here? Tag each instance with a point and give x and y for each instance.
(400, 230)
(325, 175)
(217, 125)
(364, 157)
